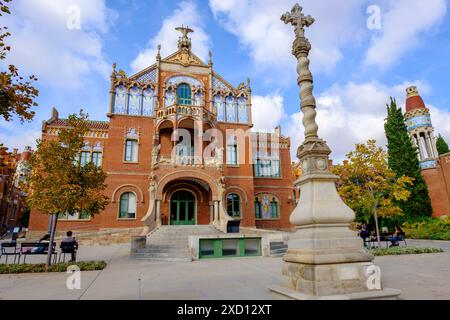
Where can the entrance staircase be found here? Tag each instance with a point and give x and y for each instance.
(170, 243)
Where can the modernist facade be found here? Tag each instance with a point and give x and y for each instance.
(435, 168)
(178, 150)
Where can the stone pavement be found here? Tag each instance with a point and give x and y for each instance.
(418, 276)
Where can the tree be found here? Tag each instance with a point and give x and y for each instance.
(403, 160)
(17, 96)
(441, 145)
(58, 184)
(368, 186)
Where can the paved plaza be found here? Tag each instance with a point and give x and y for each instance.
(418, 276)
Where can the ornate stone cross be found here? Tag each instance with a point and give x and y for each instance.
(298, 19)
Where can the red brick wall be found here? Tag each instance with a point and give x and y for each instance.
(438, 182)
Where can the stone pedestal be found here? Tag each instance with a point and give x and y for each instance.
(326, 259)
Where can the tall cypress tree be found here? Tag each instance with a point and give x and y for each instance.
(441, 145)
(402, 158)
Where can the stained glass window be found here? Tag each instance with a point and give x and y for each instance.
(120, 103)
(231, 109)
(219, 105)
(184, 94)
(242, 110)
(148, 102)
(134, 103)
(170, 98)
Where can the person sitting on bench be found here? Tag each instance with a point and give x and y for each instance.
(398, 231)
(70, 241)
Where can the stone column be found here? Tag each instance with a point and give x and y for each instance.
(158, 213)
(420, 144)
(325, 258)
(216, 212)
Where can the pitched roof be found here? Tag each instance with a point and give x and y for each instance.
(93, 125)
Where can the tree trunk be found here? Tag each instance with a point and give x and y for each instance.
(376, 226)
(52, 238)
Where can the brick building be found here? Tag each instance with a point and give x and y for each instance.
(178, 150)
(435, 168)
(14, 168)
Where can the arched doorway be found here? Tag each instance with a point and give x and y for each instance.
(182, 208)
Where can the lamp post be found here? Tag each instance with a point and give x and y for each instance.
(325, 258)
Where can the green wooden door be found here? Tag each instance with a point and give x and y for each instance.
(182, 208)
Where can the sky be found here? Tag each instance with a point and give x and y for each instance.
(364, 51)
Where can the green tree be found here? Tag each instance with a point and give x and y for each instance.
(403, 160)
(58, 184)
(17, 96)
(441, 145)
(368, 186)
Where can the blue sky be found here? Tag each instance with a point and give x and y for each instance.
(356, 68)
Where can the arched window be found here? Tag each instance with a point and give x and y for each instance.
(258, 208)
(127, 206)
(134, 101)
(234, 205)
(231, 109)
(147, 104)
(220, 108)
(184, 94)
(274, 213)
(242, 110)
(120, 101)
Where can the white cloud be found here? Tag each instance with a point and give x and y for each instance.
(27, 137)
(354, 113)
(259, 29)
(42, 44)
(186, 14)
(403, 25)
(267, 111)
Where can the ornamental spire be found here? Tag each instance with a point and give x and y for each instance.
(184, 42)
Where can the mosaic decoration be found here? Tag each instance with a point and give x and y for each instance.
(217, 84)
(218, 103)
(242, 110)
(185, 79)
(231, 109)
(134, 102)
(429, 164)
(265, 207)
(147, 102)
(169, 100)
(120, 103)
(148, 76)
(417, 122)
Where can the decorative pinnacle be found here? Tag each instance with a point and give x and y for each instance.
(298, 19)
(412, 91)
(184, 42)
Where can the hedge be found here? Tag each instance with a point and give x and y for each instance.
(59, 267)
(393, 251)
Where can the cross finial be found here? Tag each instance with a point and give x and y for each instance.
(298, 19)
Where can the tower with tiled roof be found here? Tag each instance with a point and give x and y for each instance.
(418, 122)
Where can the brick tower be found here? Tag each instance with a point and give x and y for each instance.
(435, 168)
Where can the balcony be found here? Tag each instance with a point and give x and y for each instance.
(186, 110)
(190, 161)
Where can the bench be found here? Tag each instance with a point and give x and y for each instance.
(67, 248)
(9, 249)
(386, 238)
(36, 248)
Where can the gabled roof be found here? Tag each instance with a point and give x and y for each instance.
(92, 125)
